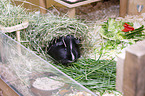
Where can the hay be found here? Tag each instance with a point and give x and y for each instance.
(11, 15)
(42, 28)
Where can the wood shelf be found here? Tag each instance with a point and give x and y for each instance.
(76, 4)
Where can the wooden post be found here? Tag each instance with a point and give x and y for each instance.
(18, 35)
(18, 39)
(42, 4)
(133, 78)
(71, 13)
(123, 8)
(16, 28)
(119, 72)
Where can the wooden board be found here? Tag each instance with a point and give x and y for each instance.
(130, 71)
(119, 72)
(32, 5)
(14, 28)
(50, 3)
(132, 7)
(76, 4)
(5, 90)
(123, 8)
(134, 70)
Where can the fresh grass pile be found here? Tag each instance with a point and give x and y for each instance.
(97, 75)
(114, 30)
(114, 39)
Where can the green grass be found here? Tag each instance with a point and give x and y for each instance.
(97, 75)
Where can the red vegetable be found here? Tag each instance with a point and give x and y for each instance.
(127, 28)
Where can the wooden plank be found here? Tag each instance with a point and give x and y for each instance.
(76, 4)
(43, 8)
(123, 8)
(5, 90)
(50, 3)
(14, 28)
(32, 5)
(18, 39)
(119, 72)
(134, 69)
(132, 7)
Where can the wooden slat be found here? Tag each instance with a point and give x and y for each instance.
(119, 72)
(50, 3)
(123, 8)
(76, 4)
(5, 90)
(14, 28)
(132, 7)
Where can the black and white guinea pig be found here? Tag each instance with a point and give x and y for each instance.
(64, 49)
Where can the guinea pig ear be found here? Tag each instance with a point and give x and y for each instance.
(58, 41)
(77, 41)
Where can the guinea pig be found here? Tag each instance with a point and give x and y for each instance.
(64, 49)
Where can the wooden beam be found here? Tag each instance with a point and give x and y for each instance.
(14, 28)
(123, 8)
(43, 8)
(76, 4)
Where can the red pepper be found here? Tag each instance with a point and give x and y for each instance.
(127, 28)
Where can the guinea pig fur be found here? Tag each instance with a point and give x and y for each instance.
(64, 49)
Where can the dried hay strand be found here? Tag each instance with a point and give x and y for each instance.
(11, 15)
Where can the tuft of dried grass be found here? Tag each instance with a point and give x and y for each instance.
(11, 15)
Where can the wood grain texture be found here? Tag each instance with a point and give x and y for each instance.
(43, 8)
(134, 70)
(6, 90)
(132, 7)
(123, 8)
(119, 71)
